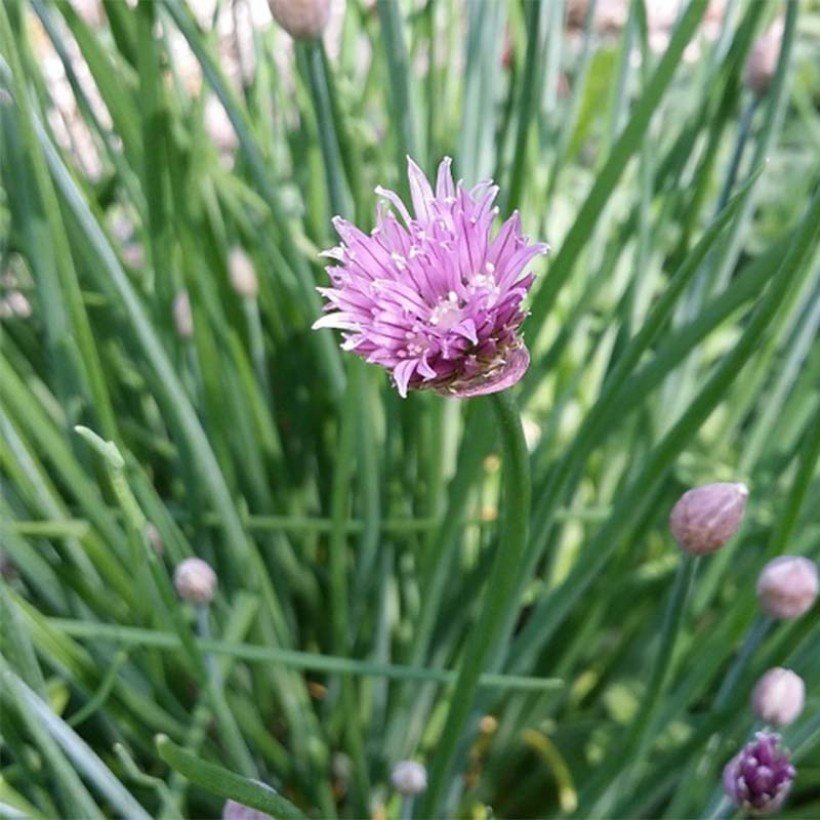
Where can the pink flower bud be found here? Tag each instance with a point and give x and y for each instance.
(779, 697)
(759, 777)
(302, 19)
(15, 304)
(788, 586)
(762, 62)
(706, 517)
(409, 778)
(195, 581)
(154, 538)
(236, 811)
(242, 275)
(183, 317)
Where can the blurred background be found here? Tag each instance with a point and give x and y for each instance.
(169, 174)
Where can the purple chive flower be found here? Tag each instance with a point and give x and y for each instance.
(434, 298)
(759, 778)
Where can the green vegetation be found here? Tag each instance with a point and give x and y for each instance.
(673, 334)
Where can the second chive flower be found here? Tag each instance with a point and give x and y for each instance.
(435, 298)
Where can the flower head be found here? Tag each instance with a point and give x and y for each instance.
(706, 517)
(779, 697)
(787, 587)
(409, 778)
(759, 778)
(435, 298)
(195, 581)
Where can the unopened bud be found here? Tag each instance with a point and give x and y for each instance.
(195, 581)
(762, 62)
(8, 571)
(409, 778)
(242, 275)
(154, 538)
(236, 811)
(779, 697)
(218, 125)
(759, 778)
(302, 19)
(183, 317)
(788, 586)
(706, 517)
(19, 304)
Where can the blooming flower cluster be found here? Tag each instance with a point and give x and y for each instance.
(759, 778)
(434, 297)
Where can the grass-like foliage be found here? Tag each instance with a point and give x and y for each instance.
(487, 586)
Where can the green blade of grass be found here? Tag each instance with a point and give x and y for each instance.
(606, 180)
(224, 783)
(76, 749)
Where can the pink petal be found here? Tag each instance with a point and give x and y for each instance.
(420, 191)
(393, 198)
(402, 373)
(444, 182)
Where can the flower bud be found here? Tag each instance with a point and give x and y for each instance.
(302, 19)
(788, 586)
(236, 811)
(195, 581)
(183, 317)
(409, 778)
(759, 778)
(18, 304)
(154, 538)
(219, 126)
(8, 570)
(706, 517)
(779, 697)
(242, 275)
(762, 62)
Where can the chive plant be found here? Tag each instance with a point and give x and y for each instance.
(441, 579)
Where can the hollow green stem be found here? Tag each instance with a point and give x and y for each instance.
(340, 605)
(398, 69)
(640, 734)
(338, 194)
(257, 343)
(407, 807)
(203, 630)
(499, 598)
(529, 94)
(757, 631)
(744, 129)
